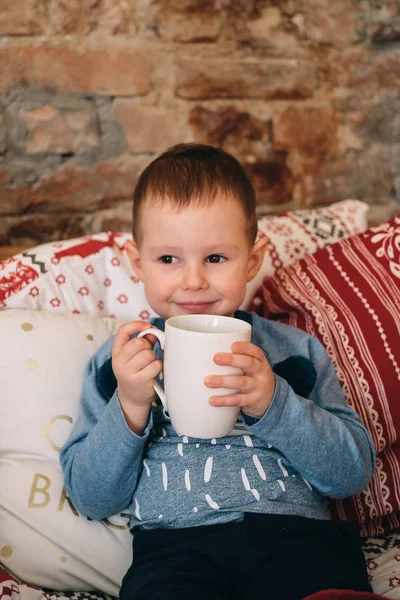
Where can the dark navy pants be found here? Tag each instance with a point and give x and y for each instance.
(271, 557)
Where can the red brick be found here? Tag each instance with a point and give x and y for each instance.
(150, 129)
(5, 176)
(123, 71)
(86, 16)
(222, 78)
(366, 71)
(261, 26)
(3, 131)
(30, 230)
(308, 129)
(272, 179)
(23, 17)
(186, 20)
(338, 21)
(238, 132)
(75, 188)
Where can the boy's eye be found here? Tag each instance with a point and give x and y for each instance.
(167, 259)
(215, 258)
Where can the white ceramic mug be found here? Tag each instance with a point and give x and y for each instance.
(190, 343)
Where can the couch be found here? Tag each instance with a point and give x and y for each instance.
(324, 272)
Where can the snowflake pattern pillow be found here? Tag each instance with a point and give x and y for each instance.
(93, 275)
(348, 296)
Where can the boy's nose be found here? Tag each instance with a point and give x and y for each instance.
(194, 279)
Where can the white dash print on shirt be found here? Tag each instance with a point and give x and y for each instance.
(306, 482)
(248, 441)
(146, 466)
(187, 480)
(180, 449)
(247, 485)
(282, 485)
(165, 476)
(211, 502)
(259, 468)
(227, 446)
(213, 441)
(185, 439)
(282, 468)
(208, 469)
(137, 510)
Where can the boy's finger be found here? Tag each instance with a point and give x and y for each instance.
(232, 382)
(248, 349)
(141, 360)
(151, 370)
(231, 400)
(133, 348)
(248, 364)
(124, 333)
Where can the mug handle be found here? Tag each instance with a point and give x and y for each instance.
(160, 335)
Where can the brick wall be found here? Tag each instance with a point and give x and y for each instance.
(304, 92)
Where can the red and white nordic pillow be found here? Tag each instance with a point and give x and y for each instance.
(92, 274)
(348, 296)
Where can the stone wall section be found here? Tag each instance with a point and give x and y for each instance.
(306, 93)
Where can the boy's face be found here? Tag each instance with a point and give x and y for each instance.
(197, 260)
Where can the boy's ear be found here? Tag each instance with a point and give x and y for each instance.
(133, 254)
(256, 257)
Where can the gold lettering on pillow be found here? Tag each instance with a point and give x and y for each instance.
(64, 497)
(35, 489)
(48, 430)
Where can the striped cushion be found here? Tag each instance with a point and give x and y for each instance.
(348, 296)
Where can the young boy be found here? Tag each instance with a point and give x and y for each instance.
(253, 521)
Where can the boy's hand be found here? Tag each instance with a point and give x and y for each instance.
(135, 366)
(255, 388)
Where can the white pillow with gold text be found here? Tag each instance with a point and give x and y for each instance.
(43, 538)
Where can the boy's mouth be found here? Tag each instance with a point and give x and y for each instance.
(196, 307)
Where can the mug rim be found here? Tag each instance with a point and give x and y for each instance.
(242, 325)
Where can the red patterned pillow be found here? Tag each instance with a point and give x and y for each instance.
(348, 296)
(92, 274)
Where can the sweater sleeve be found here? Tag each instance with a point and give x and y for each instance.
(102, 458)
(321, 436)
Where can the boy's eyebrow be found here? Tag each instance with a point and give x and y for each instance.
(207, 249)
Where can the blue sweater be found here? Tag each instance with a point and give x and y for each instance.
(309, 444)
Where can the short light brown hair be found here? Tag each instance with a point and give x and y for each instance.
(192, 175)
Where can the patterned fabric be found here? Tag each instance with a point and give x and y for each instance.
(89, 275)
(13, 588)
(93, 274)
(382, 555)
(348, 295)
